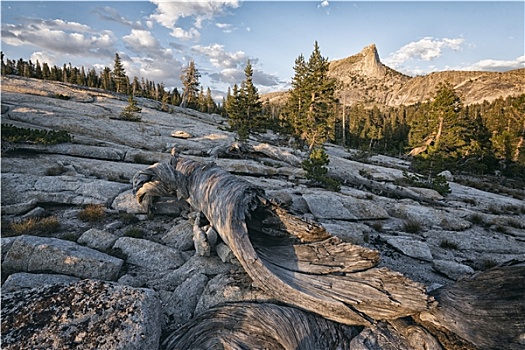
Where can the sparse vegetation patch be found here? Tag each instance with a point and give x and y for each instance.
(412, 226)
(11, 133)
(33, 226)
(92, 213)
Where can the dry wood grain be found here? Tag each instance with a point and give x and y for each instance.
(326, 285)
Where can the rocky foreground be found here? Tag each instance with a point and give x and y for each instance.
(123, 279)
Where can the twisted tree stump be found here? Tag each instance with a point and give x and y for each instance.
(300, 264)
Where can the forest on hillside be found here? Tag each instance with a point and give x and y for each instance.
(441, 134)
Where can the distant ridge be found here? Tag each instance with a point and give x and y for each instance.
(364, 79)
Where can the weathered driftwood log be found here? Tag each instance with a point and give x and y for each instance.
(300, 264)
(485, 311)
(296, 262)
(260, 326)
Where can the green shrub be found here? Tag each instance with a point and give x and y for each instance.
(438, 183)
(11, 133)
(129, 113)
(134, 232)
(317, 172)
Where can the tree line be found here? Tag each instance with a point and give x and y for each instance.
(440, 134)
(192, 94)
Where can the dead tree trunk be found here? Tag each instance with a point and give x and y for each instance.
(296, 262)
(300, 264)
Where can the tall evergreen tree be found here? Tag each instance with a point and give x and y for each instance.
(190, 81)
(119, 75)
(311, 106)
(211, 106)
(244, 107)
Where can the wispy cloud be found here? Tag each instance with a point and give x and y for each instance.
(110, 14)
(226, 27)
(425, 49)
(169, 13)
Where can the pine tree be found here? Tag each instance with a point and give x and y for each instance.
(106, 81)
(211, 106)
(129, 113)
(190, 81)
(176, 98)
(202, 101)
(311, 106)
(119, 75)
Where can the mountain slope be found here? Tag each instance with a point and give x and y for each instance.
(364, 79)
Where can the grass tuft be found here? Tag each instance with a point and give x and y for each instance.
(412, 226)
(92, 213)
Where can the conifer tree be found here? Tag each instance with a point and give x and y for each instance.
(310, 108)
(129, 112)
(119, 75)
(190, 81)
(211, 106)
(252, 104)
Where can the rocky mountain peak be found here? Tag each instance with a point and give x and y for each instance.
(366, 63)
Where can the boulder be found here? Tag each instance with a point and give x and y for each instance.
(150, 255)
(452, 269)
(411, 247)
(180, 305)
(126, 202)
(19, 208)
(338, 207)
(24, 280)
(180, 237)
(38, 254)
(181, 134)
(85, 315)
(17, 188)
(97, 239)
(327, 206)
(449, 219)
(209, 266)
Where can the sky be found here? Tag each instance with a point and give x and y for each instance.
(156, 39)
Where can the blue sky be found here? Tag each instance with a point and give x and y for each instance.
(156, 39)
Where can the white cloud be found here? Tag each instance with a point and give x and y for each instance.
(221, 58)
(60, 37)
(44, 57)
(226, 27)
(233, 76)
(325, 3)
(426, 49)
(169, 13)
(496, 65)
(141, 39)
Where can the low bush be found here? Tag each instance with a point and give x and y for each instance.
(412, 226)
(11, 133)
(317, 172)
(446, 244)
(438, 183)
